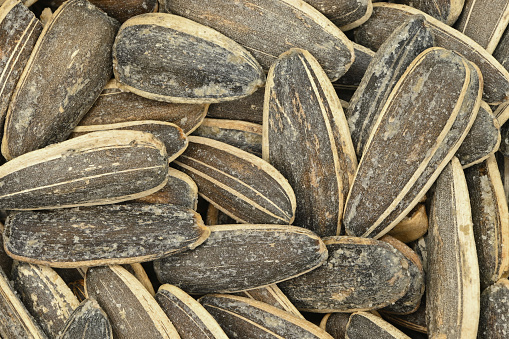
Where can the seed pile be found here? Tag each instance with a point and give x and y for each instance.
(254, 169)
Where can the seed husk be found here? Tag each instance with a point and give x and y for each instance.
(102, 235)
(115, 105)
(490, 219)
(387, 16)
(238, 183)
(189, 317)
(93, 169)
(19, 30)
(452, 277)
(391, 60)
(45, 295)
(65, 74)
(482, 140)
(242, 134)
(132, 311)
(413, 226)
(484, 21)
(272, 295)
(182, 61)
(242, 257)
(446, 11)
(15, 320)
(360, 274)
(89, 321)
(411, 301)
(180, 190)
(251, 24)
(493, 322)
(363, 325)
(306, 138)
(247, 318)
(172, 136)
(400, 162)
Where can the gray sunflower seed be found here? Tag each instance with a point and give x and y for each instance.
(189, 317)
(252, 24)
(94, 169)
(306, 138)
(400, 162)
(182, 62)
(89, 321)
(247, 318)
(132, 311)
(242, 257)
(452, 277)
(45, 295)
(66, 72)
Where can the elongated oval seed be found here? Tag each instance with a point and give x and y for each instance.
(45, 295)
(490, 218)
(132, 310)
(359, 274)
(189, 317)
(19, 30)
(387, 16)
(66, 72)
(252, 24)
(102, 235)
(400, 162)
(242, 257)
(89, 321)
(238, 183)
(15, 320)
(247, 318)
(391, 60)
(170, 58)
(94, 169)
(306, 138)
(452, 285)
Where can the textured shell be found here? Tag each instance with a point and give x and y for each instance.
(93, 169)
(306, 138)
(359, 274)
(102, 235)
(267, 28)
(115, 105)
(417, 133)
(19, 30)
(387, 16)
(452, 276)
(238, 183)
(65, 74)
(132, 310)
(243, 257)
(247, 318)
(169, 58)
